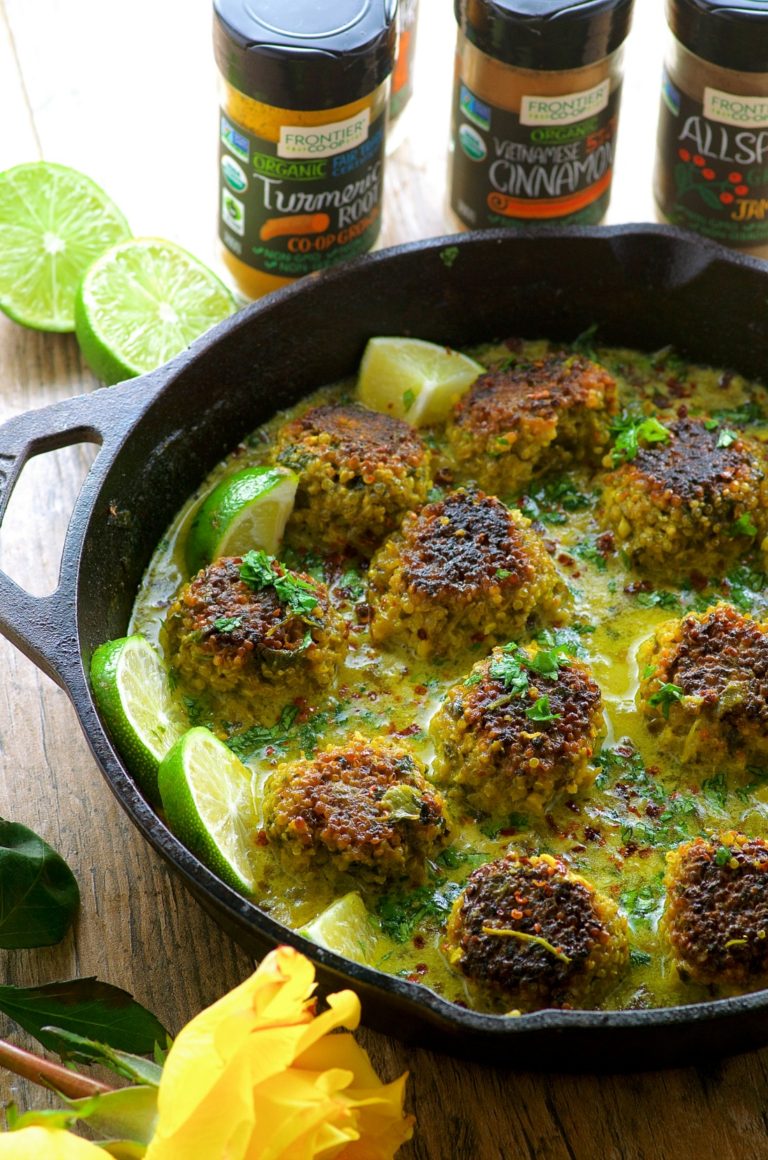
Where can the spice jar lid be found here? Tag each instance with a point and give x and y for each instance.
(545, 34)
(730, 33)
(305, 54)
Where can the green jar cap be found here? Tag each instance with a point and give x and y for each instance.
(555, 35)
(305, 54)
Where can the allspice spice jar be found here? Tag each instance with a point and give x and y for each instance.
(535, 110)
(305, 94)
(712, 158)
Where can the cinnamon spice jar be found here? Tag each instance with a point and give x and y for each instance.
(535, 109)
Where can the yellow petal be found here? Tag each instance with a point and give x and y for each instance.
(46, 1144)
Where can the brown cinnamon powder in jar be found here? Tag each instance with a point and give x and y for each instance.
(536, 100)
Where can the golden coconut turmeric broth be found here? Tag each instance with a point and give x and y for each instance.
(642, 802)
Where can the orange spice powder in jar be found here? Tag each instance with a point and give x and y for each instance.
(712, 150)
(305, 92)
(535, 109)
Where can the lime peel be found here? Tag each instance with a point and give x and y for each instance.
(131, 689)
(207, 795)
(141, 303)
(414, 380)
(54, 222)
(247, 510)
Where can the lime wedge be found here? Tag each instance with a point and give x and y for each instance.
(54, 222)
(131, 689)
(414, 380)
(247, 510)
(141, 303)
(347, 928)
(206, 794)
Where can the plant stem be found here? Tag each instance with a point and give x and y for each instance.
(48, 1074)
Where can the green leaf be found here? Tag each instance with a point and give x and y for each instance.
(86, 1007)
(666, 696)
(744, 526)
(130, 1113)
(38, 892)
(76, 1049)
(541, 710)
(631, 431)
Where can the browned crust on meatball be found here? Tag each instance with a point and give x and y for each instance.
(716, 915)
(224, 637)
(497, 756)
(517, 423)
(359, 472)
(559, 943)
(676, 506)
(365, 808)
(462, 569)
(718, 660)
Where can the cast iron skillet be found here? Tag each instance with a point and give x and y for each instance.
(644, 286)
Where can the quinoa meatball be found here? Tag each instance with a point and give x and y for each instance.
(364, 808)
(692, 502)
(515, 424)
(704, 688)
(716, 913)
(246, 626)
(464, 569)
(518, 730)
(527, 933)
(359, 473)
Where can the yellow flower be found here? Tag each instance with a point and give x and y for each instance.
(257, 1077)
(47, 1144)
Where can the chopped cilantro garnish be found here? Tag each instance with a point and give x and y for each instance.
(660, 599)
(353, 584)
(227, 623)
(257, 569)
(631, 432)
(639, 958)
(665, 696)
(588, 551)
(727, 437)
(722, 855)
(409, 398)
(541, 710)
(503, 573)
(744, 526)
(401, 914)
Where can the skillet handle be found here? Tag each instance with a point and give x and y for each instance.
(44, 628)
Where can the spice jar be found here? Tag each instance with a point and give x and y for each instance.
(712, 159)
(305, 90)
(536, 101)
(402, 76)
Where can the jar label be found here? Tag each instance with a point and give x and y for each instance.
(552, 161)
(313, 198)
(712, 164)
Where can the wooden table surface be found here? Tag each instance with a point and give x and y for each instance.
(127, 93)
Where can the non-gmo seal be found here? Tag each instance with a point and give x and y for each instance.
(472, 143)
(234, 174)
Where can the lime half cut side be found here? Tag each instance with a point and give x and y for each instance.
(54, 222)
(131, 688)
(141, 303)
(347, 928)
(246, 510)
(207, 796)
(414, 380)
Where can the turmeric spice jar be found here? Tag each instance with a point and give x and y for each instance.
(712, 158)
(302, 133)
(535, 109)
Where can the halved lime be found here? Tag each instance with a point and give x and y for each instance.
(54, 222)
(141, 303)
(206, 794)
(131, 688)
(414, 380)
(347, 928)
(246, 510)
